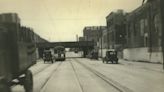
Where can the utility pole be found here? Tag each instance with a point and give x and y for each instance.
(101, 44)
(77, 39)
(162, 21)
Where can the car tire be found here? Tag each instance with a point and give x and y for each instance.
(28, 81)
(4, 87)
(116, 62)
(103, 60)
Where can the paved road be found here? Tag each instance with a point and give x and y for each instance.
(143, 78)
(84, 75)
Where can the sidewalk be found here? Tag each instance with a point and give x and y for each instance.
(143, 65)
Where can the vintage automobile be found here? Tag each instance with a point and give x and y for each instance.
(111, 56)
(47, 56)
(76, 51)
(94, 55)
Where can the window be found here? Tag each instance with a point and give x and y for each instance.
(157, 24)
(105, 38)
(134, 25)
(142, 27)
(146, 39)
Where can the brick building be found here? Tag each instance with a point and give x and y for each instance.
(116, 30)
(93, 33)
(81, 39)
(144, 33)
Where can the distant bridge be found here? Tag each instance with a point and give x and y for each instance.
(80, 44)
(85, 46)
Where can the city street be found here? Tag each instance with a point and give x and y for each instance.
(82, 46)
(85, 75)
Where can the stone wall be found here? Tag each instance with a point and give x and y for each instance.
(142, 54)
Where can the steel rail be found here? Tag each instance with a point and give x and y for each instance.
(106, 79)
(81, 87)
(50, 76)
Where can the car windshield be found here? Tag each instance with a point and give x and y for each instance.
(81, 45)
(110, 53)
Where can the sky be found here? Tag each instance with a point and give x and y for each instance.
(62, 20)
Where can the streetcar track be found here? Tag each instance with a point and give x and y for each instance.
(108, 80)
(35, 74)
(44, 84)
(81, 87)
(42, 69)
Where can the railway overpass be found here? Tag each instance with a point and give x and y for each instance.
(85, 46)
(80, 44)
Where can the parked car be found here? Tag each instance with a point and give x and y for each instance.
(111, 56)
(94, 55)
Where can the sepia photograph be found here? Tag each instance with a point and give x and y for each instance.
(81, 46)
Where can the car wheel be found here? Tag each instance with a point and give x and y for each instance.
(116, 62)
(106, 62)
(4, 87)
(28, 81)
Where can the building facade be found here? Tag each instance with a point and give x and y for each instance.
(93, 33)
(144, 33)
(81, 39)
(113, 37)
(103, 43)
(116, 30)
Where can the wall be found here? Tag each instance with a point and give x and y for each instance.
(37, 53)
(142, 54)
